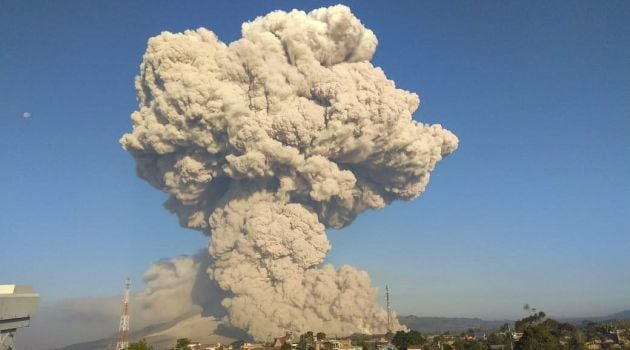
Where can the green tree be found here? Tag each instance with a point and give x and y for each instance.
(141, 345)
(461, 344)
(306, 341)
(532, 320)
(301, 344)
(537, 337)
(477, 345)
(320, 336)
(402, 340)
(415, 338)
(182, 343)
(495, 339)
(237, 345)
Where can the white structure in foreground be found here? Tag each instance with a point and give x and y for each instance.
(17, 304)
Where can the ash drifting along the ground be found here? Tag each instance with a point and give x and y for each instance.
(265, 142)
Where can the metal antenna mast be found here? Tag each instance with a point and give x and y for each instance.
(123, 328)
(389, 310)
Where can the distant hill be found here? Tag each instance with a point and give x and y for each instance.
(96, 344)
(451, 324)
(460, 324)
(623, 315)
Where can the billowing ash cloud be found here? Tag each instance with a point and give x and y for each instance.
(264, 143)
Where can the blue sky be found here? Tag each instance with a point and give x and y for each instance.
(532, 208)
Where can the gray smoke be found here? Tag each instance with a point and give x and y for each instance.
(264, 143)
(166, 297)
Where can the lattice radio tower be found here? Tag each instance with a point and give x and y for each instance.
(123, 328)
(389, 310)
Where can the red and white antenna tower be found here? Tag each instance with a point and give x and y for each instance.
(123, 328)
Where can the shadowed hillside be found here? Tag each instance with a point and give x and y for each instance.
(451, 324)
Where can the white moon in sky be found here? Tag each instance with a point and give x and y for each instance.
(26, 114)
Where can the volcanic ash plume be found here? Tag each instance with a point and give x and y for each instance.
(264, 143)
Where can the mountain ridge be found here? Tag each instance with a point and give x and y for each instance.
(434, 324)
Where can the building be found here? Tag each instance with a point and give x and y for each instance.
(388, 346)
(17, 304)
(480, 336)
(217, 346)
(279, 341)
(286, 338)
(341, 344)
(257, 346)
(593, 345)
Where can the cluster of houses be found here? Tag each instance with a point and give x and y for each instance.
(381, 343)
(614, 340)
(480, 336)
(317, 344)
(217, 346)
(279, 342)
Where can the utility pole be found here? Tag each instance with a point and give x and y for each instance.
(123, 328)
(509, 334)
(389, 310)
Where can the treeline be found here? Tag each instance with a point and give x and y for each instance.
(534, 332)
